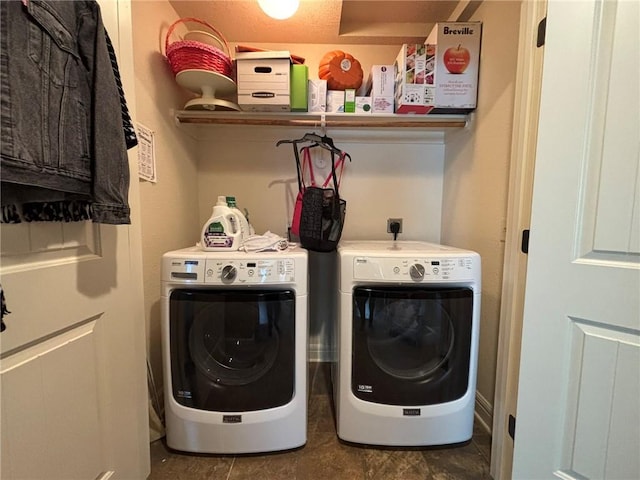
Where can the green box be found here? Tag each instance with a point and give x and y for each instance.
(299, 87)
(350, 100)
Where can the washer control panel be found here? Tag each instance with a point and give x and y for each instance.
(227, 272)
(413, 269)
(248, 272)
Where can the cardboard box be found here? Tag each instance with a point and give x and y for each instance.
(381, 88)
(414, 90)
(335, 101)
(350, 100)
(264, 81)
(317, 96)
(299, 88)
(457, 60)
(363, 105)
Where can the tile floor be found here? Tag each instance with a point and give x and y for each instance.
(326, 457)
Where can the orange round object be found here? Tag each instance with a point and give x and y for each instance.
(340, 70)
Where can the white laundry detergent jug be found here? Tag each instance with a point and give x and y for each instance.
(245, 228)
(222, 230)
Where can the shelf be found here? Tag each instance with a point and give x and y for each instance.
(304, 119)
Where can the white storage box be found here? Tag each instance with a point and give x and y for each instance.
(263, 81)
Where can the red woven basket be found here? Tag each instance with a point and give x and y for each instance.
(190, 54)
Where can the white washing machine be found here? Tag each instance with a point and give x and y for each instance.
(234, 334)
(407, 343)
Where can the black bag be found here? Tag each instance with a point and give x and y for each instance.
(323, 211)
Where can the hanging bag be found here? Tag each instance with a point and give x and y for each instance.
(322, 211)
(297, 208)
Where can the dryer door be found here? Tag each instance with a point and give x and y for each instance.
(411, 346)
(232, 351)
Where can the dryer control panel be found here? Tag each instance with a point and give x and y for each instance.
(414, 269)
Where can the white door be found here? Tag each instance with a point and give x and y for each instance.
(578, 412)
(72, 365)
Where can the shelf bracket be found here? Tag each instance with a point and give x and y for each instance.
(323, 124)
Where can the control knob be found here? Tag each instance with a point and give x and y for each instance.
(416, 271)
(229, 273)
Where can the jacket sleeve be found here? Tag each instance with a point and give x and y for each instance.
(110, 165)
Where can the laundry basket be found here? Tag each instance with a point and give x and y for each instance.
(194, 55)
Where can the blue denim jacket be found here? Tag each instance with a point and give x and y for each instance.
(61, 120)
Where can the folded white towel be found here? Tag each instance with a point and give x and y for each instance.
(269, 242)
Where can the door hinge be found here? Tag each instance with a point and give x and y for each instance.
(525, 241)
(512, 427)
(542, 32)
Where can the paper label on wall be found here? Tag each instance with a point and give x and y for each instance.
(146, 154)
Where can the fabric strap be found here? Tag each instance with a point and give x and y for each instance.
(335, 165)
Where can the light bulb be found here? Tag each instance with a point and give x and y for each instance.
(279, 9)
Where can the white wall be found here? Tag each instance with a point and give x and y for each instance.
(169, 207)
(477, 175)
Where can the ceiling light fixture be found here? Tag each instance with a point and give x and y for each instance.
(279, 9)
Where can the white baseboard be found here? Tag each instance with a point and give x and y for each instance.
(484, 412)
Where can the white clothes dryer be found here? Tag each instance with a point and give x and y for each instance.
(234, 334)
(406, 342)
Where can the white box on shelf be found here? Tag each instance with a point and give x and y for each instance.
(363, 105)
(414, 89)
(335, 101)
(317, 95)
(263, 81)
(381, 88)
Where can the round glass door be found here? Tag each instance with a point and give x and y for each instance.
(411, 340)
(411, 346)
(234, 343)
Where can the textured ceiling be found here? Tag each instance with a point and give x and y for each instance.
(374, 22)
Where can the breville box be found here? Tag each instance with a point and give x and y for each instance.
(317, 96)
(457, 59)
(299, 87)
(414, 90)
(263, 81)
(381, 86)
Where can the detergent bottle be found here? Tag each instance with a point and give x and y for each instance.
(222, 230)
(245, 228)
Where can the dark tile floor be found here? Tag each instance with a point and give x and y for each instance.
(326, 457)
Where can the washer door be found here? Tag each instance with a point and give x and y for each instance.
(411, 346)
(232, 350)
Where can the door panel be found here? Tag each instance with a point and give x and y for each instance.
(581, 330)
(600, 402)
(51, 413)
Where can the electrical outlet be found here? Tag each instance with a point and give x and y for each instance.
(393, 220)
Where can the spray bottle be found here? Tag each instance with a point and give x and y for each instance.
(222, 230)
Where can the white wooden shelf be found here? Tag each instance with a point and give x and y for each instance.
(305, 119)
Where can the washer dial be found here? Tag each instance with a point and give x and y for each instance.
(416, 271)
(229, 273)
